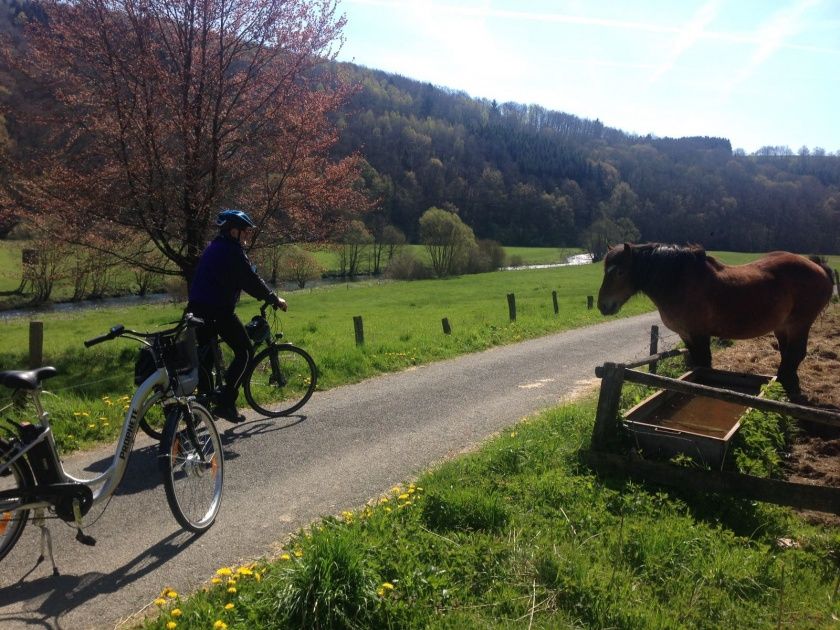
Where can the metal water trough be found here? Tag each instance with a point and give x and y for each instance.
(670, 423)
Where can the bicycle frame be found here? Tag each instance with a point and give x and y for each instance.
(104, 484)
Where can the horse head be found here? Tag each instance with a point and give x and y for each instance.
(618, 285)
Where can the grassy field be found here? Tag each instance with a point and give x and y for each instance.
(522, 534)
(402, 323)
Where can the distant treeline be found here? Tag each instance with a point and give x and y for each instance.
(529, 176)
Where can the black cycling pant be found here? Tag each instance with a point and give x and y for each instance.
(230, 329)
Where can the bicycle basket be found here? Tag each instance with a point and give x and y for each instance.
(181, 359)
(258, 329)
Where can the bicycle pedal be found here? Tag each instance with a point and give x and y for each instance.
(83, 538)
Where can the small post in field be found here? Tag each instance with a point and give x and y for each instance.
(447, 329)
(837, 281)
(36, 344)
(511, 298)
(554, 299)
(590, 302)
(359, 327)
(654, 346)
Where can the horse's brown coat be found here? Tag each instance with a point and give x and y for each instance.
(699, 297)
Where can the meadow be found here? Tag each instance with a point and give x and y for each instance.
(402, 325)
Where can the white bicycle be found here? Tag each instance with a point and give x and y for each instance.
(32, 478)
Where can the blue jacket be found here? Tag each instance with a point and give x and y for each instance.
(223, 272)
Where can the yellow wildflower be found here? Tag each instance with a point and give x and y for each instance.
(224, 571)
(219, 625)
(160, 601)
(232, 590)
(216, 580)
(172, 594)
(176, 612)
(285, 556)
(86, 414)
(383, 500)
(403, 497)
(387, 586)
(91, 426)
(229, 606)
(171, 625)
(77, 413)
(258, 576)
(244, 571)
(396, 489)
(298, 553)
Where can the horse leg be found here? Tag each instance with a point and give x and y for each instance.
(699, 351)
(793, 348)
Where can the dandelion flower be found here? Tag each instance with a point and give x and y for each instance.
(258, 576)
(171, 625)
(224, 571)
(298, 553)
(160, 601)
(176, 612)
(387, 586)
(231, 590)
(92, 425)
(219, 625)
(172, 594)
(77, 413)
(244, 571)
(285, 556)
(404, 496)
(396, 489)
(216, 580)
(86, 414)
(229, 606)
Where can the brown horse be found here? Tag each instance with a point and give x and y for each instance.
(699, 297)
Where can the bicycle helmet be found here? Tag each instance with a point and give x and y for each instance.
(231, 218)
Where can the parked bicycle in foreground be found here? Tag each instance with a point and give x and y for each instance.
(278, 381)
(190, 456)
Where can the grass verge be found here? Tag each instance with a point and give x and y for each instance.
(523, 534)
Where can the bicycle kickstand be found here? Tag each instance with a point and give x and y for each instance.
(46, 539)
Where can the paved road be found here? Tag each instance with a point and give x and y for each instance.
(354, 443)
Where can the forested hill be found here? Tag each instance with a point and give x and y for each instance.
(529, 176)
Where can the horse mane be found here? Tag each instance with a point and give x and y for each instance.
(659, 267)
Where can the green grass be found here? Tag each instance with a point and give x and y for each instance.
(522, 534)
(402, 324)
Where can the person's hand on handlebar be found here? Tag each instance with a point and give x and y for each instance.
(278, 302)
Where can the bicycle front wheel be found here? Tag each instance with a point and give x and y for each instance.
(192, 463)
(280, 380)
(16, 477)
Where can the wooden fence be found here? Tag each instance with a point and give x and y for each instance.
(606, 429)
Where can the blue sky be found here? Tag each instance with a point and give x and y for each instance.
(759, 72)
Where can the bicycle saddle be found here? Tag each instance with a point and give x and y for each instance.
(26, 379)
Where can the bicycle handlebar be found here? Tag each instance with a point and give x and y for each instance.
(116, 331)
(119, 330)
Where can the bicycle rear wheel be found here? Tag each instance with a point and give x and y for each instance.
(280, 380)
(192, 463)
(12, 520)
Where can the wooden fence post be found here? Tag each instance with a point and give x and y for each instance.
(358, 325)
(554, 299)
(511, 298)
(590, 301)
(837, 281)
(612, 378)
(654, 346)
(447, 329)
(36, 344)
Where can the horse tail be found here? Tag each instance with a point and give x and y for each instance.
(823, 262)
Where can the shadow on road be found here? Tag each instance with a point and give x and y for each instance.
(47, 599)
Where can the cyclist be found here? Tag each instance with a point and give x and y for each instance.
(223, 272)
